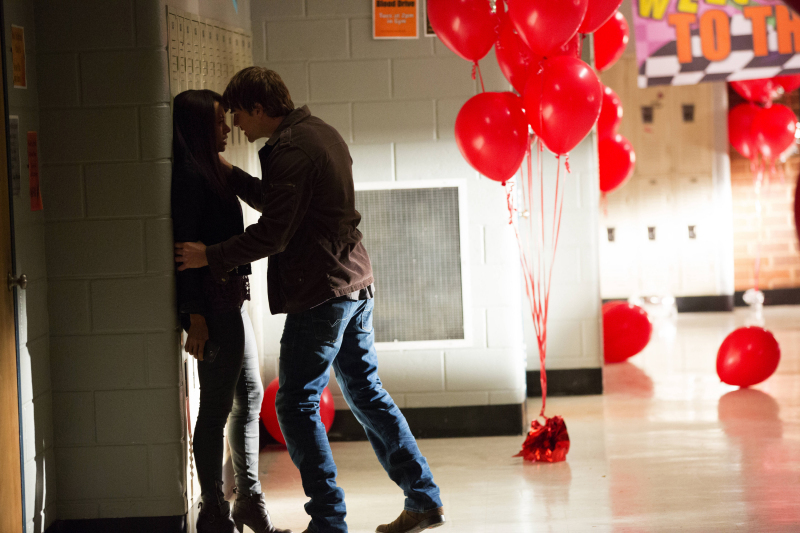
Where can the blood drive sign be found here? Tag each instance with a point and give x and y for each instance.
(684, 42)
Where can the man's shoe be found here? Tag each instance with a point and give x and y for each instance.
(251, 511)
(410, 522)
(215, 514)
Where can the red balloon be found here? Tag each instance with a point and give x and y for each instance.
(546, 25)
(789, 83)
(562, 102)
(740, 123)
(598, 13)
(269, 416)
(571, 49)
(327, 409)
(617, 161)
(774, 130)
(610, 114)
(516, 60)
(467, 27)
(626, 331)
(748, 356)
(492, 134)
(610, 41)
(763, 91)
(514, 56)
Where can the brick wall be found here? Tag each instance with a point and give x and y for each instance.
(105, 148)
(780, 260)
(395, 102)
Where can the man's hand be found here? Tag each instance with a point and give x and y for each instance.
(190, 255)
(196, 337)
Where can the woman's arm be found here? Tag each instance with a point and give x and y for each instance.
(245, 186)
(197, 336)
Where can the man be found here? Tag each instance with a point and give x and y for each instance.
(320, 276)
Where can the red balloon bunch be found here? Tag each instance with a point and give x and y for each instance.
(764, 91)
(269, 416)
(768, 131)
(748, 356)
(626, 331)
(538, 46)
(616, 156)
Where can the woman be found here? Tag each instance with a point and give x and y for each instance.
(204, 208)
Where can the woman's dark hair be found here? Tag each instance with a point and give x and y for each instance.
(194, 139)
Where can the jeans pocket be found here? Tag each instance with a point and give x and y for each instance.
(328, 330)
(366, 319)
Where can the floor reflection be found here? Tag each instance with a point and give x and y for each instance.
(668, 447)
(769, 466)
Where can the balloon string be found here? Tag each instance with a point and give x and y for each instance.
(476, 70)
(540, 248)
(759, 220)
(537, 270)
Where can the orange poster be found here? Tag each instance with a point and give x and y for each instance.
(18, 56)
(33, 172)
(395, 19)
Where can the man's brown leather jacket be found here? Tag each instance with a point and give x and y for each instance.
(308, 223)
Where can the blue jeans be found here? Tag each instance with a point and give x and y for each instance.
(340, 333)
(230, 390)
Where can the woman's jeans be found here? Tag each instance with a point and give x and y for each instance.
(339, 333)
(231, 385)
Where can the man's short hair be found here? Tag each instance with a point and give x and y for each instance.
(258, 85)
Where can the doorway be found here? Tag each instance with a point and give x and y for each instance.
(11, 518)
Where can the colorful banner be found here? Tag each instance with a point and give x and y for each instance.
(684, 42)
(395, 19)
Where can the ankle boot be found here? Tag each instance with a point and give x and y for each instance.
(251, 511)
(410, 522)
(215, 514)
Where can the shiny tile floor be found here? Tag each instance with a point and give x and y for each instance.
(666, 448)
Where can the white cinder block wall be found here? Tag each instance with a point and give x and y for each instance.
(36, 396)
(574, 330)
(116, 371)
(395, 102)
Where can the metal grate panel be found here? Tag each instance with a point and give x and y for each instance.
(413, 239)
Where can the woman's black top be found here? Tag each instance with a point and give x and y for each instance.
(199, 213)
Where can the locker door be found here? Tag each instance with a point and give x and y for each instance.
(620, 244)
(650, 130)
(174, 54)
(657, 252)
(196, 54)
(693, 134)
(204, 54)
(694, 220)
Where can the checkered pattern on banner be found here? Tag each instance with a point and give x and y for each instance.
(663, 68)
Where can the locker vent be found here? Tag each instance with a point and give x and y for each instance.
(413, 239)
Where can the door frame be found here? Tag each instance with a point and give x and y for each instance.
(3, 71)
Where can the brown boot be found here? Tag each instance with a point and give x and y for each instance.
(251, 511)
(411, 522)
